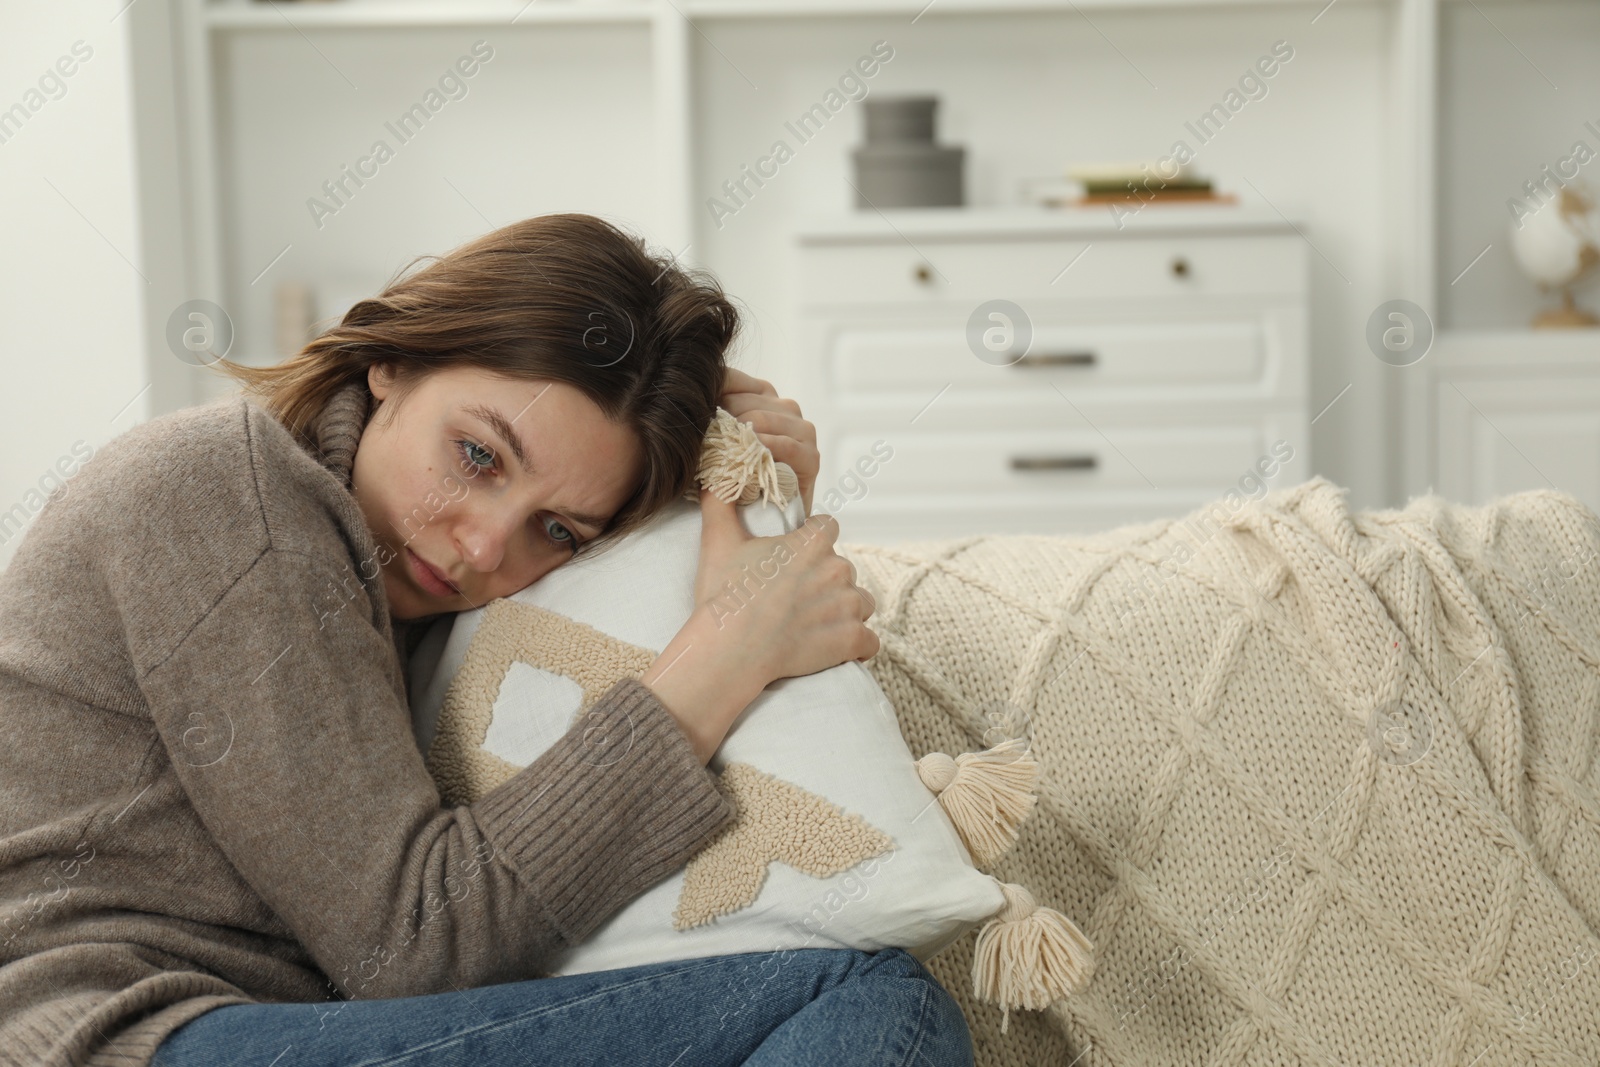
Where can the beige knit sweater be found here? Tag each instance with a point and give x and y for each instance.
(211, 791)
(1321, 787)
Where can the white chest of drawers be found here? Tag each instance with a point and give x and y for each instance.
(1168, 365)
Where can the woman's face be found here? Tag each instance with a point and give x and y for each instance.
(442, 486)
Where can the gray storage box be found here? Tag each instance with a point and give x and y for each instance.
(909, 175)
(900, 165)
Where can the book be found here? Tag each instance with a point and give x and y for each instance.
(1128, 200)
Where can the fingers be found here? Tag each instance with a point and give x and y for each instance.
(719, 523)
(737, 381)
(862, 605)
(788, 435)
(742, 403)
(864, 643)
(868, 604)
(777, 421)
(868, 644)
(783, 433)
(801, 457)
(820, 530)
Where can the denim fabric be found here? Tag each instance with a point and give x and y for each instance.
(837, 1007)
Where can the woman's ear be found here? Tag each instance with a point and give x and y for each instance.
(380, 377)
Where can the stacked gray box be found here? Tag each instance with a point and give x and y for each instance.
(900, 165)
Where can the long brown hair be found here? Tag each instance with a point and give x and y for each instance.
(569, 298)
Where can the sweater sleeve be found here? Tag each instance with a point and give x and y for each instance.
(288, 729)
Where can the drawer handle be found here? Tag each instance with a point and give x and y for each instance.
(1180, 266)
(1085, 461)
(1056, 359)
(923, 274)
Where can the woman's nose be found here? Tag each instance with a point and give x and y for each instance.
(482, 538)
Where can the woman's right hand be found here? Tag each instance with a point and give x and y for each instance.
(765, 608)
(788, 604)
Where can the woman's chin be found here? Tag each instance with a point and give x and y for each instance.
(404, 601)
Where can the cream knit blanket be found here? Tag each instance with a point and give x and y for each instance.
(1319, 786)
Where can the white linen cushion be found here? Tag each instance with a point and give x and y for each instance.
(821, 753)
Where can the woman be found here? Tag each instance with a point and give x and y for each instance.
(220, 842)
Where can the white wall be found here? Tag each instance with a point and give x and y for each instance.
(556, 118)
(71, 318)
(83, 331)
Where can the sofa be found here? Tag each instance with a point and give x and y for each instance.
(1319, 785)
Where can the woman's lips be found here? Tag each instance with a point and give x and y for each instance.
(429, 579)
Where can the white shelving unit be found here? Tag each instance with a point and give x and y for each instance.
(1496, 408)
(676, 93)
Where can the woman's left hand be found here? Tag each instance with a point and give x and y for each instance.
(777, 422)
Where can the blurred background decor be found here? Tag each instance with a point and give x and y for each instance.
(1558, 246)
(901, 165)
(1121, 183)
(1147, 353)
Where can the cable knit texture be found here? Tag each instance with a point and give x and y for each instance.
(1320, 786)
(338, 430)
(212, 793)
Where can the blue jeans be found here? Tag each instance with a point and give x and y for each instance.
(774, 1009)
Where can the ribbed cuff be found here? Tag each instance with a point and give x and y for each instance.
(614, 806)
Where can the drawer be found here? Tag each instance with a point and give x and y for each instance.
(1023, 270)
(1043, 465)
(1070, 357)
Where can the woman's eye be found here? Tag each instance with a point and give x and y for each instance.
(559, 534)
(471, 451)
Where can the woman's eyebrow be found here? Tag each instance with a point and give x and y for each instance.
(502, 427)
(591, 521)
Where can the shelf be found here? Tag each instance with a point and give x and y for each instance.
(958, 222)
(308, 14)
(1518, 348)
(925, 8)
(259, 15)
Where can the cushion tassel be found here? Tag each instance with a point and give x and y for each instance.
(1028, 956)
(987, 795)
(735, 464)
